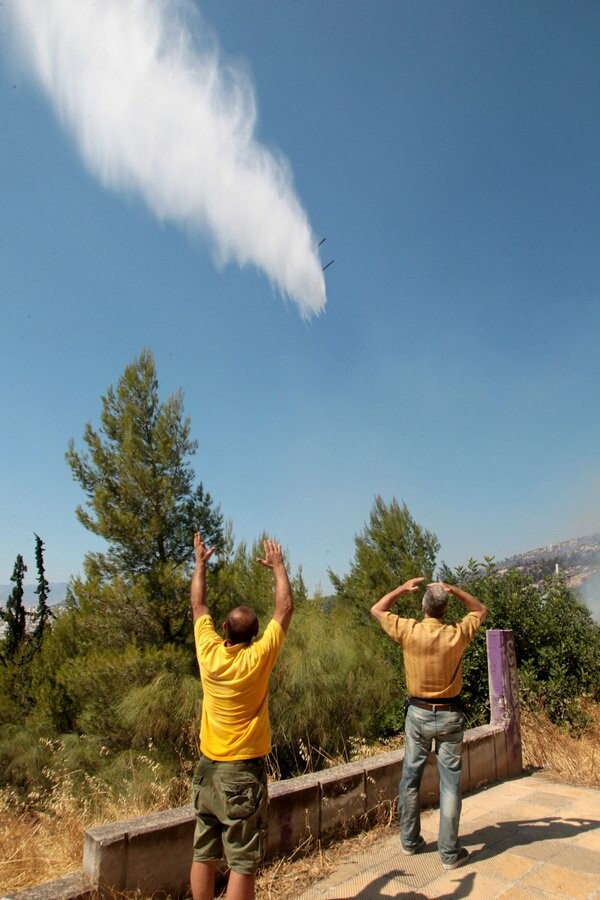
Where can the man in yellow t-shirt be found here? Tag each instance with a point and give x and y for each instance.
(230, 782)
(433, 653)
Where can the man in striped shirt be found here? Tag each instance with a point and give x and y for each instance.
(433, 653)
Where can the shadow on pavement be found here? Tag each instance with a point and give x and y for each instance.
(496, 839)
(521, 832)
(373, 890)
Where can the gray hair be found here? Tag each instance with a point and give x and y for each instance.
(435, 601)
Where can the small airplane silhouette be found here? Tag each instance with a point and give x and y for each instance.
(331, 261)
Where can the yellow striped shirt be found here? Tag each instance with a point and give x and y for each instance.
(433, 652)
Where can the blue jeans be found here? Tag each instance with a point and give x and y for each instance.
(423, 726)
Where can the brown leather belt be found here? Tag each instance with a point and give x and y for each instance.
(436, 707)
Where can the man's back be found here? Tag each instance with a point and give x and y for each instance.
(432, 652)
(235, 681)
(433, 662)
(230, 781)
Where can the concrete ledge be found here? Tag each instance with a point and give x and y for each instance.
(382, 777)
(69, 887)
(479, 744)
(141, 854)
(294, 814)
(343, 798)
(152, 854)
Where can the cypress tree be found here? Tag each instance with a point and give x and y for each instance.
(14, 615)
(43, 614)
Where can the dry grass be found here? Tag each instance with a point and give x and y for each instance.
(46, 842)
(36, 847)
(575, 760)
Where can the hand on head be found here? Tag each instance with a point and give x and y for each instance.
(412, 585)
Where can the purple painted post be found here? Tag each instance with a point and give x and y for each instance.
(504, 693)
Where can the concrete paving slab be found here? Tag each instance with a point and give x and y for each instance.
(591, 840)
(520, 892)
(528, 837)
(561, 880)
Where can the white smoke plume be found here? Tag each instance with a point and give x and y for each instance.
(155, 109)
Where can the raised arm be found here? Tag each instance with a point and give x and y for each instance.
(471, 603)
(198, 588)
(284, 599)
(384, 605)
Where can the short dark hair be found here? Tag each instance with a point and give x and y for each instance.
(241, 625)
(435, 601)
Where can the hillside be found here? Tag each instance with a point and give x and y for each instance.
(577, 559)
(58, 592)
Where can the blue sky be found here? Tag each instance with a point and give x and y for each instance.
(449, 152)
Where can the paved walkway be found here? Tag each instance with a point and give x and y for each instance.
(528, 837)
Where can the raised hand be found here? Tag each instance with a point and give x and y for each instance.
(203, 553)
(273, 554)
(412, 585)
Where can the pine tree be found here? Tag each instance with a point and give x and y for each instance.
(392, 548)
(141, 498)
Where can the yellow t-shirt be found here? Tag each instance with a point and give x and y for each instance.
(433, 652)
(235, 682)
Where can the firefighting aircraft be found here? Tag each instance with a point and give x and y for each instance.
(331, 261)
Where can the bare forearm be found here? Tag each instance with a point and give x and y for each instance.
(468, 600)
(198, 588)
(385, 604)
(198, 592)
(284, 598)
